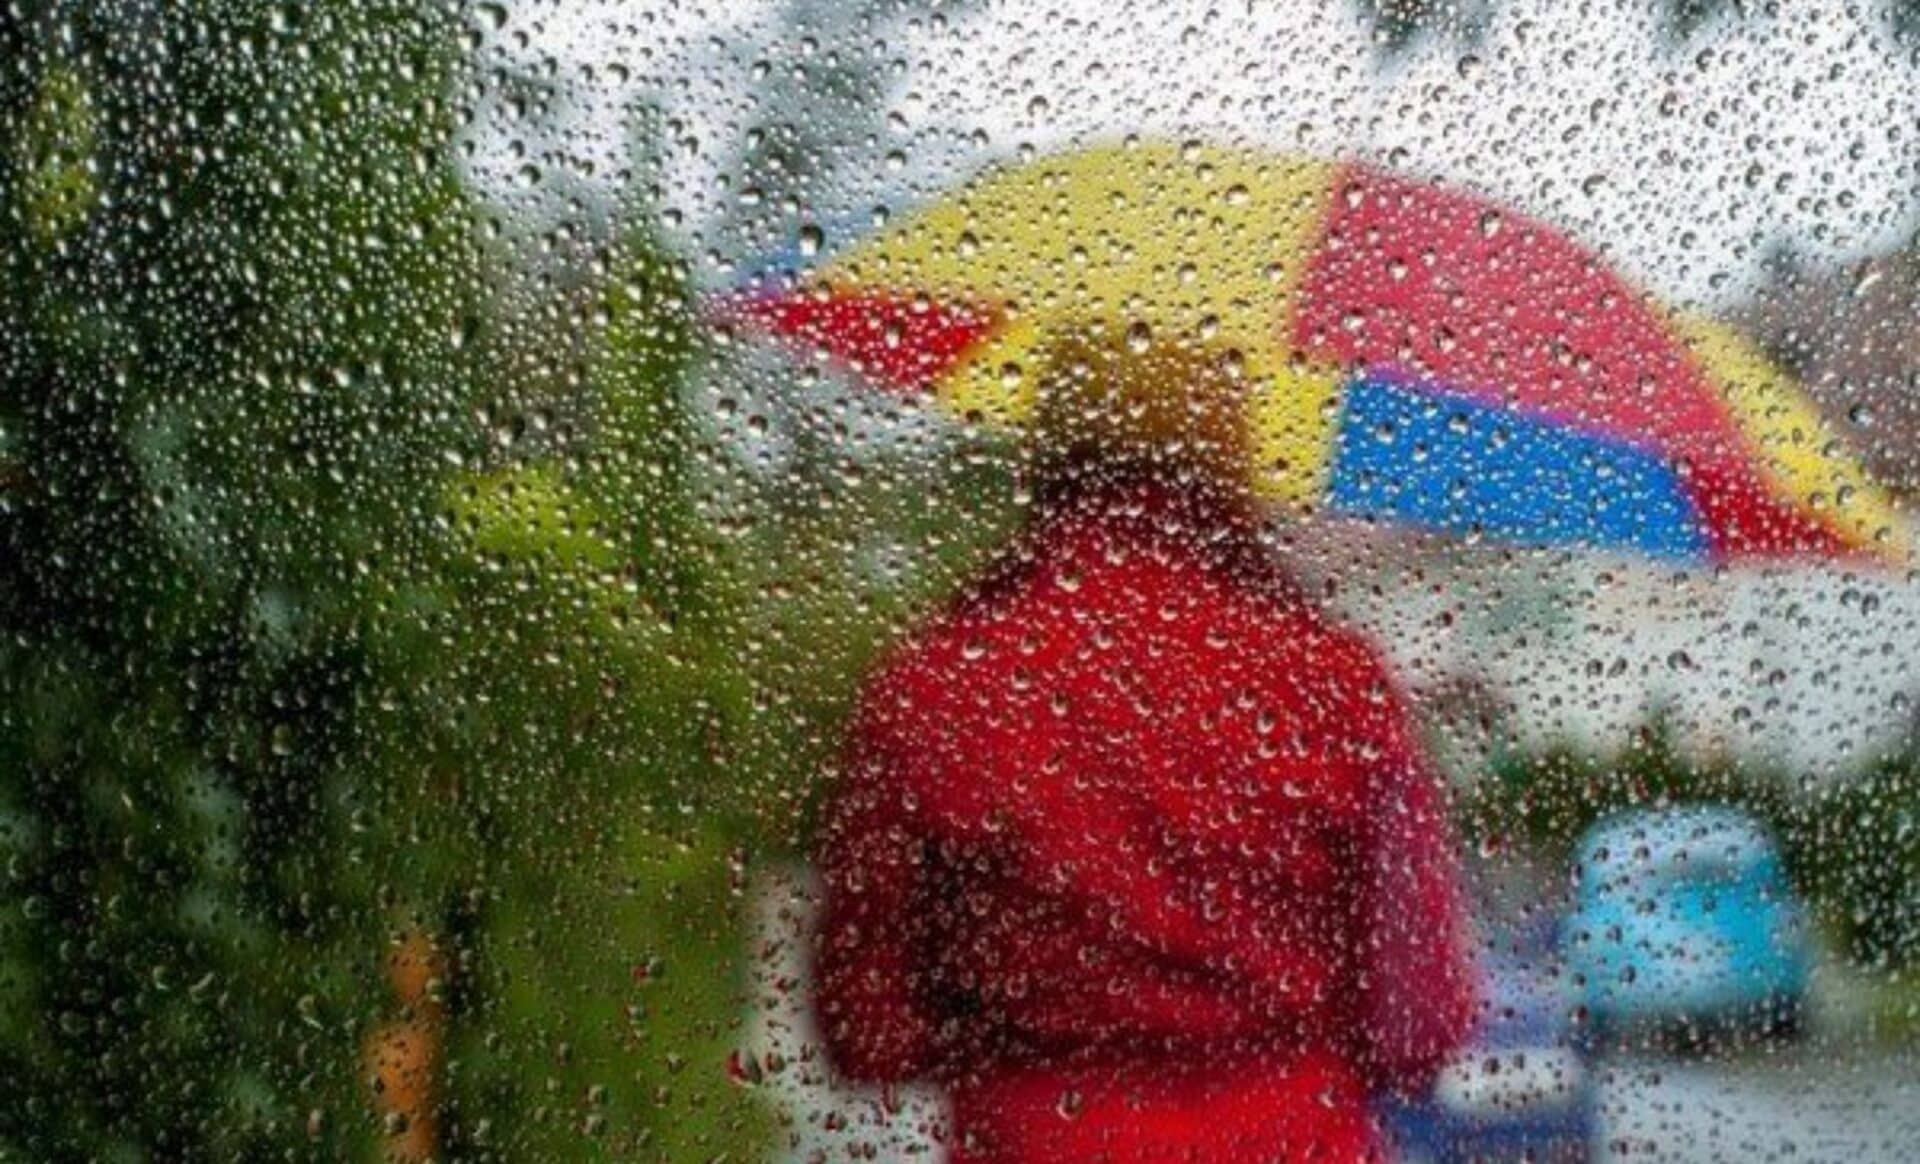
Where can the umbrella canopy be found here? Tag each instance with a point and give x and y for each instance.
(1407, 352)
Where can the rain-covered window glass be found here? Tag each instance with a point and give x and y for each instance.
(811, 580)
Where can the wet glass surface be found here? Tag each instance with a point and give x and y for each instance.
(796, 580)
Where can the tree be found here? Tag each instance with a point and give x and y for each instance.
(365, 764)
(238, 276)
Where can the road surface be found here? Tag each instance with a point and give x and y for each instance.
(1809, 1105)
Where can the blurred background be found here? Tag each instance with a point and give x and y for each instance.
(424, 642)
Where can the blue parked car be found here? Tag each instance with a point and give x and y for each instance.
(1685, 924)
(1522, 1090)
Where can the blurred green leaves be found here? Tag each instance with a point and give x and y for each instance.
(217, 440)
(54, 155)
(293, 666)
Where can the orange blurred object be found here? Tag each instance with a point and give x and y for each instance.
(402, 1057)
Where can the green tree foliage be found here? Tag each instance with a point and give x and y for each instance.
(216, 439)
(561, 685)
(300, 668)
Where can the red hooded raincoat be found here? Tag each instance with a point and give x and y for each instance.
(1138, 856)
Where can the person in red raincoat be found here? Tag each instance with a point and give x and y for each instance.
(1136, 852)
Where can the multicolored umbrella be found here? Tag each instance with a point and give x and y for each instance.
(1410, 352)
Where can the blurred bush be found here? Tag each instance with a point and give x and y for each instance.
(362, 777)
(233, 279)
